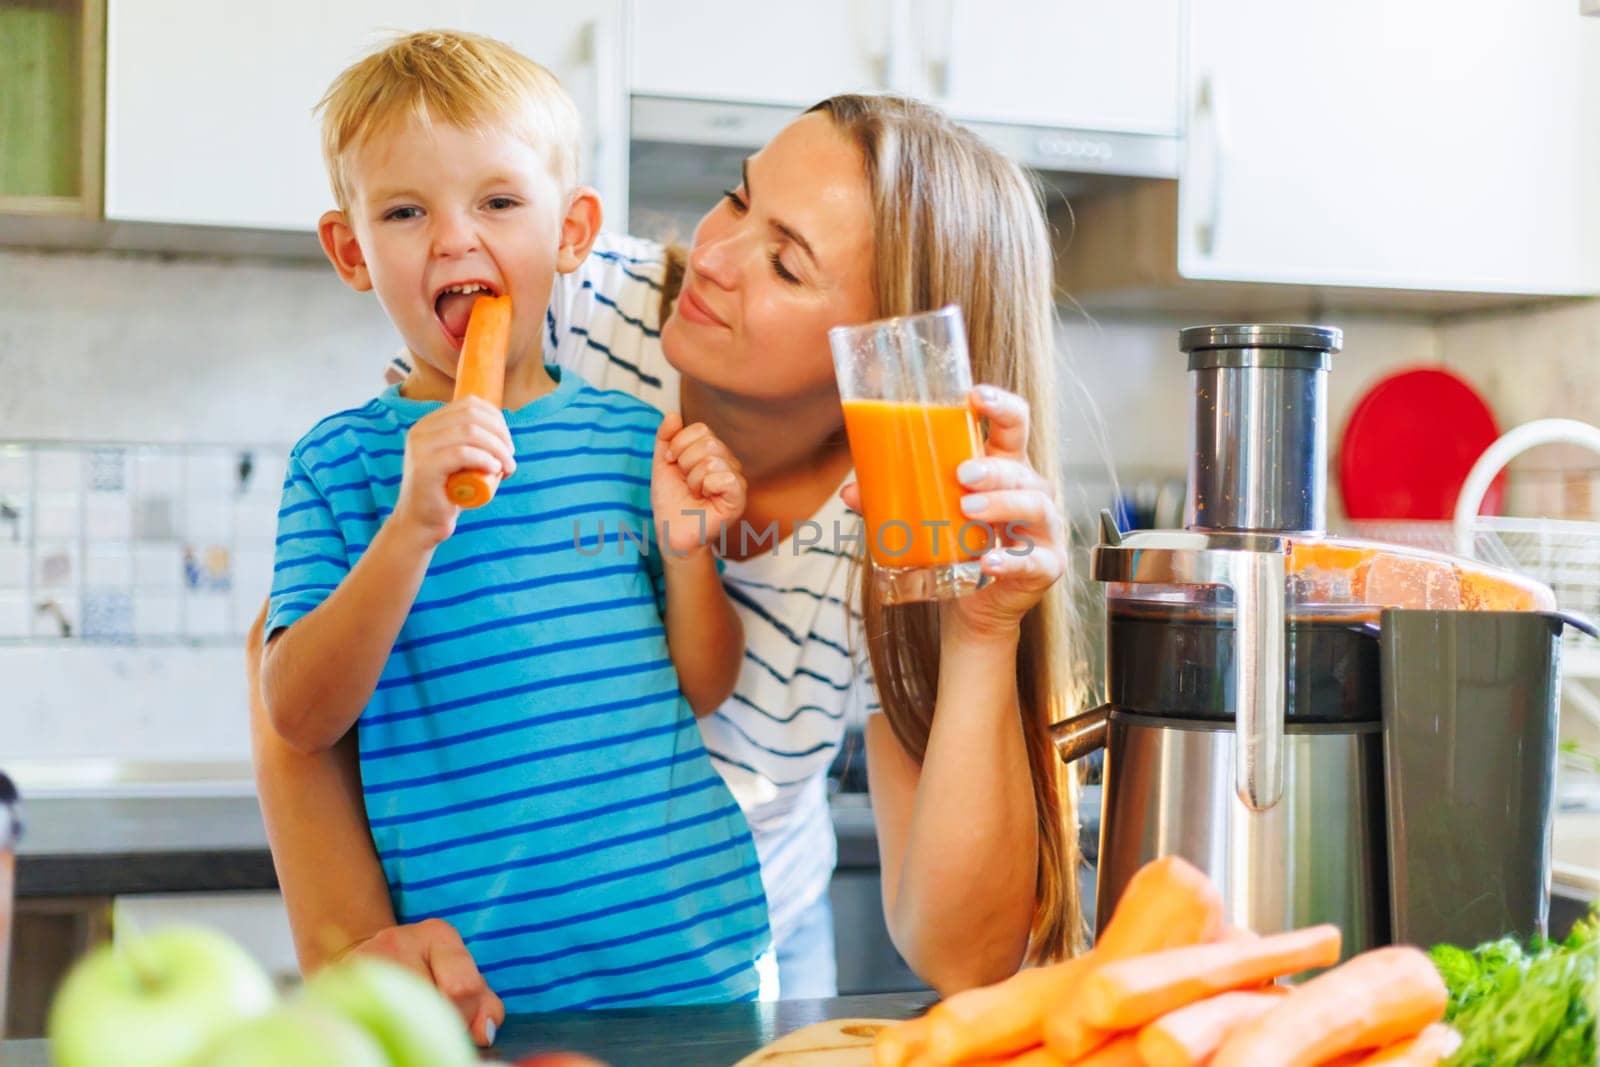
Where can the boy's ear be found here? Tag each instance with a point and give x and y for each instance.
(579, 229)
(343, 251)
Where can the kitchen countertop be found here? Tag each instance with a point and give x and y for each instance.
(703, 1036)
(109, 845)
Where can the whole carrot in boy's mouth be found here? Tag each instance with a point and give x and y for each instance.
(481, 372)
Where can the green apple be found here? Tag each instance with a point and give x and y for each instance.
(293, 1035)
(415, 1023)
(154, 1000)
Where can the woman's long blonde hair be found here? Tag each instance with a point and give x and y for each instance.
(956, 222)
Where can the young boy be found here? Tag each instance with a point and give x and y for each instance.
(531, 771)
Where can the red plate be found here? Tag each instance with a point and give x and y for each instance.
(1409, 445)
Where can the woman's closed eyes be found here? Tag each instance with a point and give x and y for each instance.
(774, 257)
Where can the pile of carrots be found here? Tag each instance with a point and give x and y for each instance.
(1169, 984)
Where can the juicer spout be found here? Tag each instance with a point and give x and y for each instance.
(1259, 686)
(1082, 734)
(1254, 567)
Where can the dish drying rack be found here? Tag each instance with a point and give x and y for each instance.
(1561, 552)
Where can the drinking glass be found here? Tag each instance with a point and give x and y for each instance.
(905, 382)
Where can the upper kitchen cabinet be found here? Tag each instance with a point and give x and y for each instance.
(51, 89)
(737, 52)
(1064, 63)
(209, 105)
(1068, 87)
(1432, 154)
(1080, 64)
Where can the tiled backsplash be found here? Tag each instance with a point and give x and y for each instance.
(140, 544)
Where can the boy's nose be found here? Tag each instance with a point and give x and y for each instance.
(453, 236)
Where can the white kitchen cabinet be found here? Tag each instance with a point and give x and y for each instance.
(1086, 64)
(209, 105)
(1081, 64)
(1432, 144)
(791, 54)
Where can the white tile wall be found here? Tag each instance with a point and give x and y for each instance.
(1534, 364)
(139, 348)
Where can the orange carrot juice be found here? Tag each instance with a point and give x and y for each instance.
(906, 455)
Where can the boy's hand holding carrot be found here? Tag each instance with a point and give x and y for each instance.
(697, 486)
(457, 456)
(466, 434)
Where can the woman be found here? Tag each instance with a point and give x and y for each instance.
(862, 208)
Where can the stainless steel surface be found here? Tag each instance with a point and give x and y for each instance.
(1258, 460)
(1318, 856)
(1177, 557)
(1258, 667)
(1254, 568)
(721, 123)
(1082, 734)
(1262, 335)
(1256, 464)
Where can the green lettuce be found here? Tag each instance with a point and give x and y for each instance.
(1518, 1006)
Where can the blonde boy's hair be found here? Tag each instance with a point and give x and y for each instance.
(446, 76)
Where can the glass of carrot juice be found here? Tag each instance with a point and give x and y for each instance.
(905, 383)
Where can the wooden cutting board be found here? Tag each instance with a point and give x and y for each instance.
(835, 1043)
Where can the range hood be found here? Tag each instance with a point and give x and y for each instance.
(684, 151)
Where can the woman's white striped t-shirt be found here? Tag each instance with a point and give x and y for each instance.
(805, 673)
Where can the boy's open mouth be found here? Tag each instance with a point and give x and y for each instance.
(452, 305)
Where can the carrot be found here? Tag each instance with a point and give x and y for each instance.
(1376, 998)
(1121, 1051)
(896, 1046)
(1002, 1018)
(1167, 903)
(982, 1061)
(1130, 993)
(481, 371)
(1437, 1042)
(1038, 1057)
(1187, 1037)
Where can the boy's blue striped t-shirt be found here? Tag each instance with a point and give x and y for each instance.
(532, 774)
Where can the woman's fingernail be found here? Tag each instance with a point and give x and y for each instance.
(989, 394)
(995, 559)
(972, 472)
(489, 1030)
(974, 503)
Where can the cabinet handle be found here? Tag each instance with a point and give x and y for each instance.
(873, 21)
(898, 67)
(938, 46)
(607, 112)
(1207, 131)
